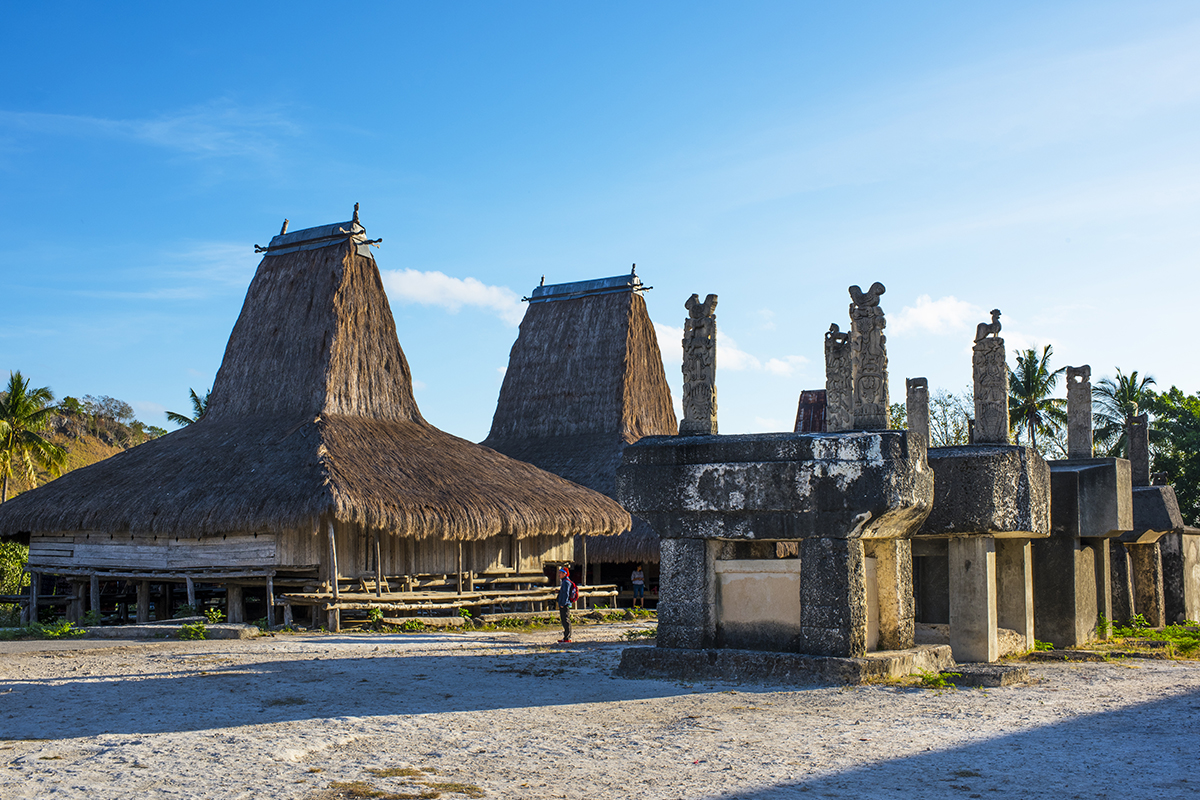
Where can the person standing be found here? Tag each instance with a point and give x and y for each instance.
(567, 593)
(638, 579)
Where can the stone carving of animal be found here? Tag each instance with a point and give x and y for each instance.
(869, 298)
(985, 329)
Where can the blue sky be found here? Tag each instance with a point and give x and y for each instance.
(1040, 158)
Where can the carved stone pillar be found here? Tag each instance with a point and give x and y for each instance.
(916, 404)
(1079, 412)
(868, 348)
(991, 384)
(700, 368)
(839, 381)
(1139, 450)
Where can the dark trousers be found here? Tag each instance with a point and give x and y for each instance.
(564, 613)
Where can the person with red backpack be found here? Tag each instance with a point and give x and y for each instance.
(568, 593)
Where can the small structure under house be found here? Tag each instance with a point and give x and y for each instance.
(585, 379)
(312, 481)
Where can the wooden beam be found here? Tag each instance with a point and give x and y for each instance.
(270, 601)
(94, 580)
(191, 593)
(35, 578)
(460, 565)
(235, 609)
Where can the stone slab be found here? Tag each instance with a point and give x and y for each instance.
(988, 675)
(752, 666)
(989, 489)
(164, 630)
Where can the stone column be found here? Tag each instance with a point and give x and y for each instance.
(973, 608)
(1139, 450)
(868, 349)
(991, 384)
(833, 597)
(1102, 564)
(897, 608)
(699, 368)
(687, 616)
(1014, 587)
(1079, 412)
(1147, 582)
(839, 381)
(1121, 583)
(916, 406)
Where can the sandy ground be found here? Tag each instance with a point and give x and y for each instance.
(519, 716)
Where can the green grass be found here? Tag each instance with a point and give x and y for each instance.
(1185, 639)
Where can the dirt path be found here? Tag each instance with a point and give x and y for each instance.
(518, 716)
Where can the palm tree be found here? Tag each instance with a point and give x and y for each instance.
(1115, 402)
(24, 414)
(199, 406)
(1031, 409)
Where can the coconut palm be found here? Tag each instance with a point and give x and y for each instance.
(1114, 403)
(1031, 409)
(24, 414)
(199, 406)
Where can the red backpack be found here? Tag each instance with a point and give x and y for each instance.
(573, 591)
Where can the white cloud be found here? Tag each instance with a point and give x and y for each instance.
(418, 385)
(729, 355)
(785, 366)
(944, 315)
(218, 128)
(439, 289)
(150, 412)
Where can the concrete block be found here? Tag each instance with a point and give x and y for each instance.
(973, 606)
(993, 489)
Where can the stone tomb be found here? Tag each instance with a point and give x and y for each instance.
(1091, 502)
(782, 542)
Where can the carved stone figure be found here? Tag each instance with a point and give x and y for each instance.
(1139, 450)
(699, 367)
(985, 329)
(917, 406)
(1079, 412)
(839, 381)
(991, 384)
(868, 348)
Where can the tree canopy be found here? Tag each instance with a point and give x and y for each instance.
(1031, 409)
(24, 415)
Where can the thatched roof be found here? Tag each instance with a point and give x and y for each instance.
(312, 416)
(585, 379)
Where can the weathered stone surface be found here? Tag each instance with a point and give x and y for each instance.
(868, 348)
(973, 609)
(839, 381)
(224, 630)
(1181, 576)
(994, 489)
(687, 615)
(778, 486)
(1008, 642)
(1014, 587)
(916, 406)
(753, 666)
(832, 572)
(1155, 512)
(699, 368)
(1079, 412)
(988, 675)
(897, 607)
(1147, 575)
(991, 391)
(1121, 575)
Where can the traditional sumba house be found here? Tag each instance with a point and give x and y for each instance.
(313, 471)
(585, 378)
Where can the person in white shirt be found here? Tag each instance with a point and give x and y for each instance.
(638, 579)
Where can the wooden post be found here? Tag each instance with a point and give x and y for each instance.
(583, 572)
(143, 602)
(95, 592)
(287, 615)
(270, 601)
(191, 593)
(333, 567)
(235, 609)
(378, 567)
(460, 566)
(162, 609)
(75, 606)
(335, 620)
(35, 578)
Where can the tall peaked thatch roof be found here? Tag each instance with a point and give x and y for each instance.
(311, 417)
(585, 378)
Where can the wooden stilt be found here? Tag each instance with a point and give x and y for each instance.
(270, 601)
(378, 567)
(143, 602)
(94, 580)
(583, 572)
(460, 569)
(287, 615)
(235, 609)
(191, 594)
(333, 565)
